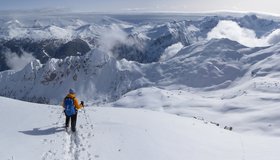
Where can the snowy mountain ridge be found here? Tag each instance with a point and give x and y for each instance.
(205, 64)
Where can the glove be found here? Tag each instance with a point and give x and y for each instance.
(82, 103)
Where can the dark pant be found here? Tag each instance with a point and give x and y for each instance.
(73, 121)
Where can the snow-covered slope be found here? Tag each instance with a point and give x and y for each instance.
(125, 134)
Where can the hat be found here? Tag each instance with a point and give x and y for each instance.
(72, 91)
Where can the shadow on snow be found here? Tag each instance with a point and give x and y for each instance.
(39, 131)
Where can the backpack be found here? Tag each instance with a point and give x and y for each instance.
(69, 106)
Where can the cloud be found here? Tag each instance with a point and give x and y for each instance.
(232, 31)
(115, 35)
(112, 36)
(247, 37)
(16, 62)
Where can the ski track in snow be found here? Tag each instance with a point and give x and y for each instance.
(75, 146)
(51, 153)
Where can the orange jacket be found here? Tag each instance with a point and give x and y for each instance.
(76, 102)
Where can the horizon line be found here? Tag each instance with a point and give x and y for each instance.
(139, 11)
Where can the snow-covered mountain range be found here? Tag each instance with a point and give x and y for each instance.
(59, 35)
(223, 68)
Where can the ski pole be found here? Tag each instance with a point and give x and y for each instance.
(83, 109)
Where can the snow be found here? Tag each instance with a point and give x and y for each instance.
(171, 51)
(274, 37)
(121, 133)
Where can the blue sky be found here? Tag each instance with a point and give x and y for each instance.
(268, 6)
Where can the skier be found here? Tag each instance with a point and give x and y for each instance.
(71, 106)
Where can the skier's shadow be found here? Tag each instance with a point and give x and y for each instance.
(40, 132)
